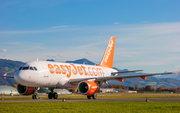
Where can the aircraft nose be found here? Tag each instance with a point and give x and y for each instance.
(19, 78)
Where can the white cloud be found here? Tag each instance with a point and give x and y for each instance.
(54, 56)
(14, 43)
(51, 56)
(145, 22)
(143, 64)
(147, 46)
(54, 29)
(3, 50)
(26, 32)
(61, 56)
(116, 23)
(61, 26)
(88, 52)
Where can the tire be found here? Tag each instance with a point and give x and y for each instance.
(50, 95)
(55, 95)
(33, 97)
(36, 96)
(94, 96)
(89, 97)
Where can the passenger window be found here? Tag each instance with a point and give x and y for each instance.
(25, 68)
(31, 68)
(35, 68)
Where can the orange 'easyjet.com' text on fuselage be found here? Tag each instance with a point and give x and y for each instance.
(73, 69)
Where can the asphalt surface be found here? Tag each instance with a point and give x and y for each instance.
(100, 100)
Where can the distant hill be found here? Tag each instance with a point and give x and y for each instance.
(82, 61)
(52, 60)
(170, 76)
(11, 67)
(152, 81)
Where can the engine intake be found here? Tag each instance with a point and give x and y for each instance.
(88, 87)
(24, 90)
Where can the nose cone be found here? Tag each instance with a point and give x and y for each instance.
(16, 76)
(20, 78)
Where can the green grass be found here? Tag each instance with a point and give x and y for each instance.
(91, 107)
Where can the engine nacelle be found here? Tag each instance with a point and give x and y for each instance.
(88, 87)
(24, 90)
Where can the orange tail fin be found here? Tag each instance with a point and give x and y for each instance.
(107, 60)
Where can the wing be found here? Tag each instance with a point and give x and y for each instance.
(125, 72)
(120, 78)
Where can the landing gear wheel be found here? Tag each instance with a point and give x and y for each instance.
(89, 97)
(94, 96)
(55, 95)
(50, 95)
(35, 96)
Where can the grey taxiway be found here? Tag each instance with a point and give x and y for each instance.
(100, 100)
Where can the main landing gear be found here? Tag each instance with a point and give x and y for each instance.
(52, 94)
(94, 96)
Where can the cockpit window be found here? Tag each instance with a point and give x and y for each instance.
(25, 68)
(35, 68)
(31, 68)
(28, 68)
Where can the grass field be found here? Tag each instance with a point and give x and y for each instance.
(91, 107)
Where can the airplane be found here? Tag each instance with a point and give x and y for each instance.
(86, 78)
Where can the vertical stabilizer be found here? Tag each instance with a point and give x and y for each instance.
(107, 60)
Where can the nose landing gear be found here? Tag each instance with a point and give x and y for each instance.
(35, 95)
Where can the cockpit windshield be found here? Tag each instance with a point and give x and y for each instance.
(28, 68)
(25, 68)
(31, 68)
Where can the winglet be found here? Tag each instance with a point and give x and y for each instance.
(5, 75)
(107, 60)
(176, 72)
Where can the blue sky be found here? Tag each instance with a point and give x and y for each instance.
(147, 31)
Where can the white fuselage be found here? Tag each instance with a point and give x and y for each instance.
(55, 74)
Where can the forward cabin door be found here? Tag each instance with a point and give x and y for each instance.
(45, 70)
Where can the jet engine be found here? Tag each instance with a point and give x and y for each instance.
(88, 87)
(24, 90)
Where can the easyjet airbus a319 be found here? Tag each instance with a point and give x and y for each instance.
(86, 78)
